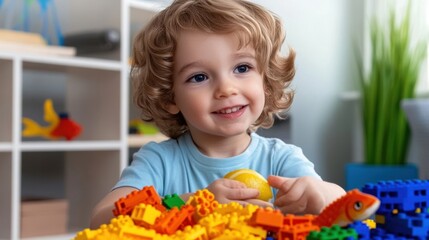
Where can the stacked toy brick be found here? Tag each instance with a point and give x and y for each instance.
(404, 209)
(143, 215)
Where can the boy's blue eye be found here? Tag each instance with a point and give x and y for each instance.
(241, 69)
(198, 78)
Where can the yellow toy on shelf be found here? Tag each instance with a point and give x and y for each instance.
(58, 125)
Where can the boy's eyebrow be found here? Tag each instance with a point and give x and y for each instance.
(234, 56)
(188, 65)
(244, 55)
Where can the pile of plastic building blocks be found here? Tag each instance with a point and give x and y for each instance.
(404, 209)
(402, 214)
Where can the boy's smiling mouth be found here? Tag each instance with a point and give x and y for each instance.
(230, 110)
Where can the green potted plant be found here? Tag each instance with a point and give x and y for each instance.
(392, 76)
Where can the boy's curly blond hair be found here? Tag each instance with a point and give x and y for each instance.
(155, 46)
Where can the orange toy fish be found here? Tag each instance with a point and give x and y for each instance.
(59, 126)
(354, 206)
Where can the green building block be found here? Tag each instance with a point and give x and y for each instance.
(171, 201)
(334, 232)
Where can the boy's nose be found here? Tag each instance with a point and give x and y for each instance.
(225, 88)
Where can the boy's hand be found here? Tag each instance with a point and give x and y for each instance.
(304, 195)
(227, 190)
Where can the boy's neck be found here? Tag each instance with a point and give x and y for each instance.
(222, 147)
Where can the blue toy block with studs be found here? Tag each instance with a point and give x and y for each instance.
(400, 196)
(361, 229)
(381, 234)
(408, 225)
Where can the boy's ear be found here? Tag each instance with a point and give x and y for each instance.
(172, 108)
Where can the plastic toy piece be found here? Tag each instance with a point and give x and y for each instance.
(214, 224)
(59, 126)
(254, 230)
(236, 235)
(144, 215)
(400, 195)
(140, 127)
(290, 219)
(354, 206)
(334, 232)
(298, 231)
(171, 201)
(381, 234)
(269, 219)
(196, 232)
(66, 128)
(170, 221)
(87, 234)
(148, 195)
(135, 232)
(204, 203)
(362, 229)
(412, 226)
(233, 221)
(370, 223)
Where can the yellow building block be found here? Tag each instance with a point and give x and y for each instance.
(136, 232)
(214, 224)
(236, 235)
(145, 215)
(195, 232)
(87, 234)
(244, 228)
(370, 223)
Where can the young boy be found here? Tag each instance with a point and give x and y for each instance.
(208, 73)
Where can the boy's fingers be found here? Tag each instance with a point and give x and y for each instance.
(233, 183)
(281, 183)
(260, 203)
(242, 193)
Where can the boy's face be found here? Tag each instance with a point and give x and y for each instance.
(217, 87)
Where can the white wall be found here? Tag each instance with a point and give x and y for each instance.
(322, 34)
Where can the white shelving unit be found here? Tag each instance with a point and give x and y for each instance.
(96, 95)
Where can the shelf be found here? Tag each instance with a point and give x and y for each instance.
(151, 6)
(94, 91)
(5, 147)
(70, 146)
(83, 62)
(136, 140)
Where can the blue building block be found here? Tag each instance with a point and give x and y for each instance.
(361, 229)
(401, 195)
(414, 226)
(381, 234)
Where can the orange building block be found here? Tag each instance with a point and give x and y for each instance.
(169, 222)
(267, 218)
(148, 195)
(290, 219)
(296, 232)
(204, 203)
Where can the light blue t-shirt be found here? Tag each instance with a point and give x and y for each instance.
(177, 166)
